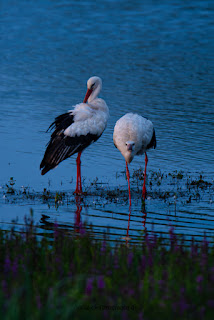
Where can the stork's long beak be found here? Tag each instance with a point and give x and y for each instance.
(88, 93)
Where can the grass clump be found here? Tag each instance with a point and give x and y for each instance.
(73, 276)
(10, 186)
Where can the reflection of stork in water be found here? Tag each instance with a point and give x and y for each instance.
(127, 238)
(76, 130)
(64, 227)
(78, 224)
(133, 135)
(143, 210)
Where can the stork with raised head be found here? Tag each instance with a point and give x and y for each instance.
(76, 129)
(134, 135)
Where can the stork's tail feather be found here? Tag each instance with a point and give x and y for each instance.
(153, 142)
(46, 169)
(45, 166)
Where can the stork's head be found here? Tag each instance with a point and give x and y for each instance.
(94, 85)
(130, 151)
(94, 82)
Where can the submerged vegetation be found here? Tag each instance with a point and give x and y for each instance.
(73, 276)
(160, 186)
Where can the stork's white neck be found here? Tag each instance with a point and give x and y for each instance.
(95, 93)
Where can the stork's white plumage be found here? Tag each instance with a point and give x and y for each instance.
(77, 129)
(133, 135)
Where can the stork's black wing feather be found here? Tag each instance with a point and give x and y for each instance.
(60, 147)
(153, 142)
(61, 122)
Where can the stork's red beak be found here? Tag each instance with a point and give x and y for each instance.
(88, 93)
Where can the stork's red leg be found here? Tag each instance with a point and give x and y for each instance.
(128, 177)
(79, 183)
(144, 181)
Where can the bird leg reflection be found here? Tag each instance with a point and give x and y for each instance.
(128, 178)
(127, 233)
(144, 181)
(79, 183)
(143, 210)
(77, 224)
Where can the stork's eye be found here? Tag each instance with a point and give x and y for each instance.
(92, 86)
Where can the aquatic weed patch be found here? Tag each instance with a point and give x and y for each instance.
(160, 185)
(75, 276)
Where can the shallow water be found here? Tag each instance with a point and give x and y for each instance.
(154, 58)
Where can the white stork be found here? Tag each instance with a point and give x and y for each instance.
(76, 129)
(133, 135)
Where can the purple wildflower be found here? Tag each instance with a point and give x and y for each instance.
(4, 287)
(130, 258)
(140, 286)
(103, 247)
(203, 261)
(212, 274)
(71, 270)
(82, 229)
(50, 292)
(205, 244)
(124, 315)
(127, 291)
(7, 264)
(172, 236)
(38, 302)
(105, 314)
(15, 267)
(116, 260)
(140, 316)
(162, 284)
(58, 263)
(100, 283)
(194, 248)
(180, 306)
(175, 306)
(199, 278)
(183, 306)
(210, 303)
(56, 231)
(51, 296)
(143, 263)
(130, 292)
(148, 242)
(89, 286)
(154, 240)
(165, 275)
(109, 273)
(24, 268)
(152, 286)
(201, 312)
(150, 260)
(182, 291)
